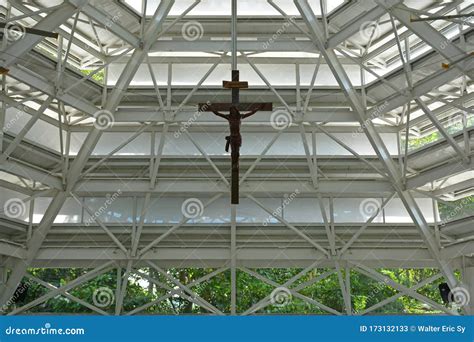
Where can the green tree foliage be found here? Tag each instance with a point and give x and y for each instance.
(418, 142)
(365, 292)
(98, 76)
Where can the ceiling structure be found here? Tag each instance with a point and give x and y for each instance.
(107, 162)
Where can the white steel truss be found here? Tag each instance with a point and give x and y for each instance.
(392, 79)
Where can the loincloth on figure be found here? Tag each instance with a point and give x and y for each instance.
(235, 141)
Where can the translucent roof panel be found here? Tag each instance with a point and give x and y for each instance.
(288, 144)
(42, 133)
(219, 7)
(277, 74)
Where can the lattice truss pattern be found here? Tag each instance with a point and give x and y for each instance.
(108, 166)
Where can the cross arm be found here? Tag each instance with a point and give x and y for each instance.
(253, 111)
(211, 109)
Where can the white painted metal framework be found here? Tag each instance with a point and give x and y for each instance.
(106, 162)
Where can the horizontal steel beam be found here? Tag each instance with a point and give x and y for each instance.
(209, 186)
(204, 45)
(48, 88)
(12, 250)
(31, 173)
(227, 59)
(246, 257)
(439, 172)
(151, 115)
(464, 185)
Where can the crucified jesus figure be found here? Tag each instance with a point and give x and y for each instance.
(234, 140)
(235, 119)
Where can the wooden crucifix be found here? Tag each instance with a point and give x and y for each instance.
(234, 140)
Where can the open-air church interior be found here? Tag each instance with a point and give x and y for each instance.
(236, 158)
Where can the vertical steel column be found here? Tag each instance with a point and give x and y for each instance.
(234, 34)
(235, 102)
(233, 259)
(235, 171)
